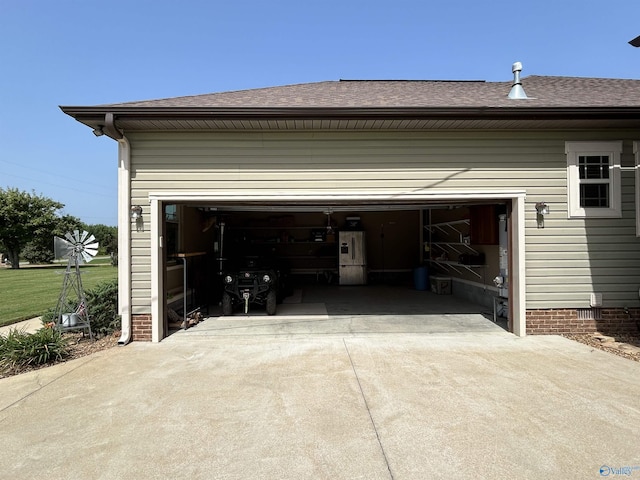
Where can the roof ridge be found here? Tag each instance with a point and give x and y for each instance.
(574, 77)
(544, 91)
(410, 80)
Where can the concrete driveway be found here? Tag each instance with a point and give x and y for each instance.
(394, 406)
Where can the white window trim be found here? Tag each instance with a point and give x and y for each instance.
(576, 149)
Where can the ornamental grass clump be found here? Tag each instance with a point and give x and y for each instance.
(20, 350)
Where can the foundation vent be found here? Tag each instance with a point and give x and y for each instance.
(594, 313)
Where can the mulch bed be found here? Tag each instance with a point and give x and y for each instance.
(79, 345)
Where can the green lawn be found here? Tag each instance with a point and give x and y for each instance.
(30, 291)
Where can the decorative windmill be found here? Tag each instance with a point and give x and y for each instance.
(72, 311)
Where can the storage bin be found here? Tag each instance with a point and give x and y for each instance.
(421, 278)
(441, 285)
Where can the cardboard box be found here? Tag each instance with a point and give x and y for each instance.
(441, 285)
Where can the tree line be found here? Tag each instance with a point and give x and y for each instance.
(28, 223)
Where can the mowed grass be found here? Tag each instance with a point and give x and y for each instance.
(30, 291)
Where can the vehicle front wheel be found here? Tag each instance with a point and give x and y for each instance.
(227, 304)
(272, 302)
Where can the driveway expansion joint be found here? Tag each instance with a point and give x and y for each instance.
(366, 404)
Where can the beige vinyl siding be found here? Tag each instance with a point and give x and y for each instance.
(565, 261)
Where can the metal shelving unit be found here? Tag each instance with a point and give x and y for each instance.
(461, 247)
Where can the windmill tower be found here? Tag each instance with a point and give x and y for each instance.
(72, 311)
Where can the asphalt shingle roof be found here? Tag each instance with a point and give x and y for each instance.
(543, 92)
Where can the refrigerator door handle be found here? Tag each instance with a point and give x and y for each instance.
(353, 248)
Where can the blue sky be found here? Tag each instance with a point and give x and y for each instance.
(78, 52)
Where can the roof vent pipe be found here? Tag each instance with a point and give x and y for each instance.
(517, 92)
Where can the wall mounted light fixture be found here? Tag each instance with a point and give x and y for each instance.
(136, 216)
(136, 212)
(542, 209)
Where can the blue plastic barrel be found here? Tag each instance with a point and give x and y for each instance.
(421, 278)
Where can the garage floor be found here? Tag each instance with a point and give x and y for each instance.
(344, 310)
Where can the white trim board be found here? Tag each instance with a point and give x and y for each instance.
(517, 240)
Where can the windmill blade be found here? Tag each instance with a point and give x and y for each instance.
(86, 256)
(61, 248)
(91, 245)
(76, 236)
(84, 235)
(69, 237)
(89, 240)
(91, 251)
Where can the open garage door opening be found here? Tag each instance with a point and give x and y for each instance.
(243, 261)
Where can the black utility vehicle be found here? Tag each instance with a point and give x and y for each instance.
(254, 281)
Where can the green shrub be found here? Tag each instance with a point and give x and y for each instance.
(103, 308)
(19, 349)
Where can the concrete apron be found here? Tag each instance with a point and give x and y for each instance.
(319, 323)
(375, 406)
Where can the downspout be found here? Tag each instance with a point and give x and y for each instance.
(124, 227)
(124, 240)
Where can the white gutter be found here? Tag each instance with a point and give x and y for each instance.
(124, 239)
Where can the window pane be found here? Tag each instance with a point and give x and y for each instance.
(593, 166)
(172, 229)
(171, 213)
(594, 195)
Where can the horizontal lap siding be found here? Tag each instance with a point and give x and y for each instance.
(562, 267)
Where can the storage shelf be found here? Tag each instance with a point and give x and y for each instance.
(303, 247)
(453, 245)
(278, 227)
(447, 227)
(458, 267)
(454, 222)
(308, 257)
(302, 242)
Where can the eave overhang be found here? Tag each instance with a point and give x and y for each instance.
(364, 118)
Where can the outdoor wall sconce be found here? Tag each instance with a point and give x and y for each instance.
(136, 212)
(542, 209)
(136, 215)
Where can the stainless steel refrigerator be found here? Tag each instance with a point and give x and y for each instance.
(352, 258)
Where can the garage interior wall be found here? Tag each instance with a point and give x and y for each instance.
(397, 242)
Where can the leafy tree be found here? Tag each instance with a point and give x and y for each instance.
(107, 237)
(40, 248)
(24, 216)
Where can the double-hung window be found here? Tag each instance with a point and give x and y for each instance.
(593, 174)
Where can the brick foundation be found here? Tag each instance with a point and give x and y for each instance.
(141, 328)
(557, 321)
